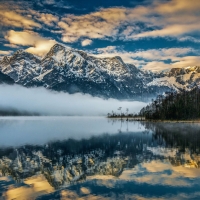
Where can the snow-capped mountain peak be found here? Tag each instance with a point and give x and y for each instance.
(71, 70)
(179, 78)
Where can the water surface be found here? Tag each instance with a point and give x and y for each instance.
(97, 158)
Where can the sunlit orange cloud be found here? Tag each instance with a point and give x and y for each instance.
(38, 185)
(100, 24)
(11, 45)
(174, 18)
(26, 19)
(86, 42)
(180, 63)
(5, 52)
(45, 18)
(173, 30)
(68, 195)
(152, 175)
(152, 59)
(39, 45)
(14, 19)
(179, 7)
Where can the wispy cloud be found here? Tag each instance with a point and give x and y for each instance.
(11, 45)
(189, 38)
(5, 52)
(161, 19)
(16, 19)
(45, 18)
(56, 4)
(172, 18)
(101, 24)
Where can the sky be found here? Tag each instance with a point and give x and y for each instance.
(151, 34)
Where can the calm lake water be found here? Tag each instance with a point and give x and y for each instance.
(97, 158)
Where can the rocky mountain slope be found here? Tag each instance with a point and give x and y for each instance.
(178, 78)
(70, 70)
(5, 79)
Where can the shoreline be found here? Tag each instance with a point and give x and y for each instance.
(163, 121)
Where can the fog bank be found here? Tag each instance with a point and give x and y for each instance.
(46, 102)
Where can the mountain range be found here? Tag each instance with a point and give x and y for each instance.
(71, 70)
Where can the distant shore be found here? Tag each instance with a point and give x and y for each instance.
(149, 120)
(129, 118)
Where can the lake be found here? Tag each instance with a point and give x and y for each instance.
(98, 158)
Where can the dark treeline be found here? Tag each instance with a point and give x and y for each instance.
(174, 106)
(15, 112)
(121, 114)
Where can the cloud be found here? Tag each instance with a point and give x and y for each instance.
(156, 66)
(159, 19)
(86, 42)
(48, 18)
(52, 3)
(32, 188)
(5, 52)
(49, 2)
(174, 18)
(39, 45)
(177, 62)
(178, 7)
(172, 30)
(154, 173)
(180, 62)
(44, 18)
(34, 100)
(187, 61)
(153, 59)
(189, 38)
(163, 53)
(23, 16)
(156, 19)
(112, 51)
(94, 25)
(11, 45)
(16, 19)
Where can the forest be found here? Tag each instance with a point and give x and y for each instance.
(174, 106)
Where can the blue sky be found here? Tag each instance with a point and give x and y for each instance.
(152, 34)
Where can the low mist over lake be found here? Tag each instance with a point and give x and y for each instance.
(46, 102)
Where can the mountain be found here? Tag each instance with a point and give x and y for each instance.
(6, 79)
(71, 70)
(21, 67)
(178, 78)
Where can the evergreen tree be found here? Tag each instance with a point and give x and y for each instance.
(174, 106)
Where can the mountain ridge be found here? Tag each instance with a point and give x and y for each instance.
(70, 70)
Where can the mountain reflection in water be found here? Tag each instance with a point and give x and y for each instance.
(141, 160)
